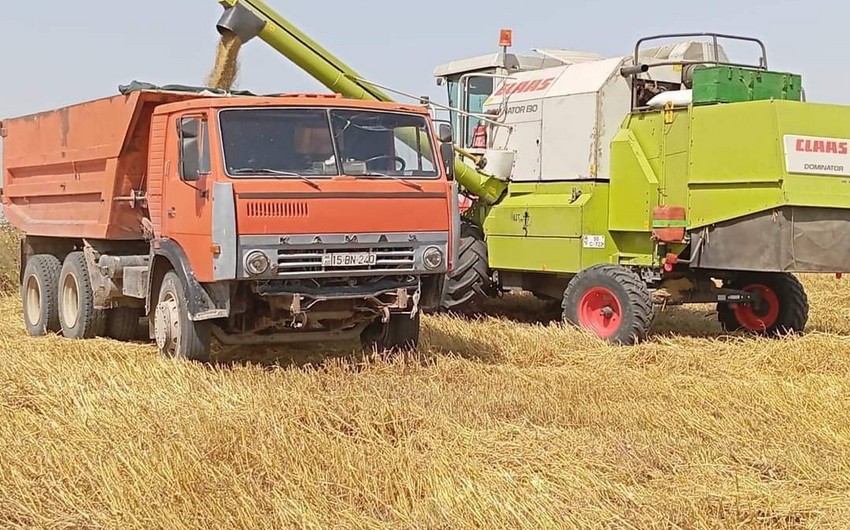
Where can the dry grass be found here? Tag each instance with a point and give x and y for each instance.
(9, 252)
(504, 424)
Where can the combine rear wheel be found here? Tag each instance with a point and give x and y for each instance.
(469, 283)
(612, 302)
(783, 307)
(39, 294)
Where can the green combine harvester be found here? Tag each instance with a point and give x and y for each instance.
(612, 185)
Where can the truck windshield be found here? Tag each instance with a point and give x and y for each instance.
(382, 142)
(287, 143)
(276, 142)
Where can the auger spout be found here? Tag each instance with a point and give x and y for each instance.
(248, 19)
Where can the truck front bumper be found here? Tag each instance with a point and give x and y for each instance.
(308, 256)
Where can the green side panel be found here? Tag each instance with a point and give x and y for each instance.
(736, 162)
(738, 159)
(675, 153)
(634, 184)
(729, 84)
(551, 254)
(543, 227)
(818, 120)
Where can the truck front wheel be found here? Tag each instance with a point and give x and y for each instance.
(612, 302)
(39, 293)
(400, 333)
(177, 336)
(782, 306)
(77, 314)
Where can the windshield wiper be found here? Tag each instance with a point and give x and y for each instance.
(399, 179)
(275, 172)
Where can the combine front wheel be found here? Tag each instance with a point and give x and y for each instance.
(469, 283)
(782, 305)
(612, 302)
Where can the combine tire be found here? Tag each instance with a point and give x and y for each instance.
(77, 314)
(610, 301)
(401, 333)
(783, 308)
(39, 293)
(469, 283)
(177, 336)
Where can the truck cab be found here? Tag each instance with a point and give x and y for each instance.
(254, 220)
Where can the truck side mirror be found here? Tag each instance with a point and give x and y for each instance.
(447, 152)
(194, 149)
(445, 133)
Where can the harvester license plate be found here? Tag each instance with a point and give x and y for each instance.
(349, 259)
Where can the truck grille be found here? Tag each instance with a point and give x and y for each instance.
(299, 261)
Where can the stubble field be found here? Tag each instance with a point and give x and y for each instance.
(504, 422)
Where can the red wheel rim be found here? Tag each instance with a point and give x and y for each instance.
(758, 316)
(600, 311)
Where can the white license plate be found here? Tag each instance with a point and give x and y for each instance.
(349, 259)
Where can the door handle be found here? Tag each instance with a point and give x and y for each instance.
(172, 212)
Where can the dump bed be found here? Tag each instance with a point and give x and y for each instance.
(67, 172)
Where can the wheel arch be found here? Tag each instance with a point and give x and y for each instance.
(208, 302)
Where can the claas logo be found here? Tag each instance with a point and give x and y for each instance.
(822, 146)
(526, 86)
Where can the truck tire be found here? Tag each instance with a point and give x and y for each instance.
(122, 323)
(40, 293)
(612, 302)
(177, 336)
(469, 283)
(77, 314)
(401, 333)
(784, 307)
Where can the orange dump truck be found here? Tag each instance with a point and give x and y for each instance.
(254, 220)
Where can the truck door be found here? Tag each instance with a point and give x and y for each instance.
(187, 215)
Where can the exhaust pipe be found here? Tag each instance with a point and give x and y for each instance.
(628, 71)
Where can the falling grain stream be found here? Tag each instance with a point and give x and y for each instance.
(226, 69)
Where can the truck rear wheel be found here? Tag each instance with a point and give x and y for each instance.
(177, 336)
(122, 323)
(39, 295)
(469, 283)
(401, 333)
(783, 308)
(77, 314)
(612, 302)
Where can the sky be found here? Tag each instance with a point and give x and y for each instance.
(58, 52)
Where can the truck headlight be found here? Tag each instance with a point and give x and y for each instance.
(433, 258)
(257, 263)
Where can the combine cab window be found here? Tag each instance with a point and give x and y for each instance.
(375, 143)
(477, 91)
(277, 142)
